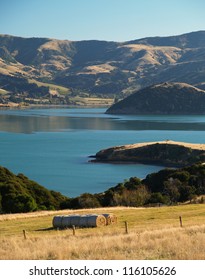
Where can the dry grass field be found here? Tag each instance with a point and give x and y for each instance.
(153, 233)
(167, 142)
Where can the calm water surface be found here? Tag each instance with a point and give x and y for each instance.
(52, 146)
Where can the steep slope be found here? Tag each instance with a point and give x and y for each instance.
(38, 57)
(20, 194)
(166, 98)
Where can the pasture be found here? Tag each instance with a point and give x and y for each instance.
(152, 233)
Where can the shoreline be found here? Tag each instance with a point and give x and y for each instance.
(42, 106)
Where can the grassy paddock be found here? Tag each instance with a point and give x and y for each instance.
(153, 233)
(91, 101)
(3, 91)
(61, 89)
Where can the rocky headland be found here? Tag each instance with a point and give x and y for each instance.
(167, 153)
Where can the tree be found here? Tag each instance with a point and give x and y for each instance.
(171, 189)
(134, 197)
(158, 198)
(186, 193)
(182, 176)
(132, 183)
(88, 200)
(19, 203)
(140, 196)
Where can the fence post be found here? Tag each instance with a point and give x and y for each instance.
(180, 221)
(73, 230)
(126, 227)
(24, 234)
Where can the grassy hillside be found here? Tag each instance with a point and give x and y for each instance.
(105, 68)
(153, 233)
(52, 87)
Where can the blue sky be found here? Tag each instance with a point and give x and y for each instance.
(113, 20)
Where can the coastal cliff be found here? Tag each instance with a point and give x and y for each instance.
(168, 153)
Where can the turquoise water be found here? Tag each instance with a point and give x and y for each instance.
(52, 146)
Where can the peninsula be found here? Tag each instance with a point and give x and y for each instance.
(167, 153)
(163, 99)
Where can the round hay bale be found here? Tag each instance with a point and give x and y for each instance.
(83, 221)
(57, 221)
(110, 219)
(66, 221)
(92, 220)
(75, 220)
(96, 221)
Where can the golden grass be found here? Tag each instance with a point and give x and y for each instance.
(3, 91)
(56, 45)
(96, 69)
(98, 101)
(168, 142)
(92, 101)
(154, 54)
(153, 233)
(60, 89)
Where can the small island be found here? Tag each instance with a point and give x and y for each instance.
(167, 153)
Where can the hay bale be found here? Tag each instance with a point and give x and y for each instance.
(66, 222)
(96, 221)
(92, 220)
(57, 221)
(70, 220)
(75, 220)
(83, 221)
(110, 219)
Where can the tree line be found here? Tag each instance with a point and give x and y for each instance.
(168, 187)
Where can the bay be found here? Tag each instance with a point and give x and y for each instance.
(52, 145)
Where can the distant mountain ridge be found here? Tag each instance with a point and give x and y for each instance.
(189, 40)
(102, 68)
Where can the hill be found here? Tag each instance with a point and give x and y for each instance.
(108, 69)
(19, 194)
(165, 98)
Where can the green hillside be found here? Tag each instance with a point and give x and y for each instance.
(19, 194)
